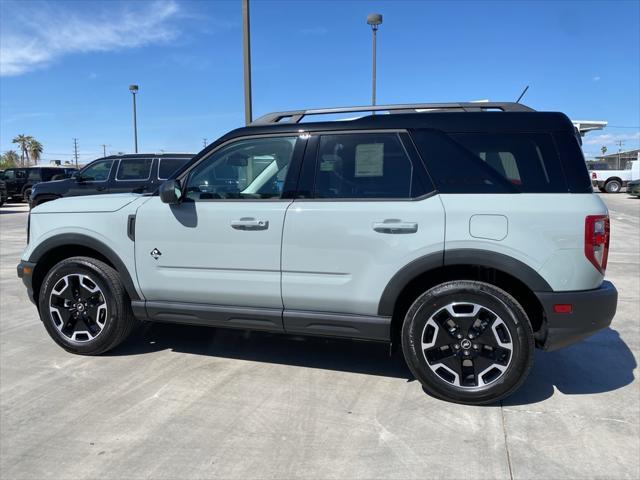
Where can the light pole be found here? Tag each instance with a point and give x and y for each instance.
(134, 89)
(246, 55)
(375, 20)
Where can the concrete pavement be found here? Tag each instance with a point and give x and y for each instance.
(190, 402)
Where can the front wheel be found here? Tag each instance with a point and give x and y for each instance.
(84, 306)
(468, 342)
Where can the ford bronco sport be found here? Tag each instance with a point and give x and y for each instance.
(466, 233)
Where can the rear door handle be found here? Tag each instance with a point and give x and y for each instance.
(249, 223)
(393, 225)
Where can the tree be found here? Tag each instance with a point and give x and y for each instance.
(603, 149)
(34, 149)
(9, 159)
(22, 141)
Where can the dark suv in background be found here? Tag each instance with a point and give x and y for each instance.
(20, 180)
(138, 173)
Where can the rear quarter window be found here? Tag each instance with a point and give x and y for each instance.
(492, 162)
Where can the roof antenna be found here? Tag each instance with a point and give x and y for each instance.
(522, 94)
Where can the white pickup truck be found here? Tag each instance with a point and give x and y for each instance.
(612, 181)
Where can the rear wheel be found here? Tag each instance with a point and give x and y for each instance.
(613, 186)
(468, 342)
(26, 194)
(84, 306)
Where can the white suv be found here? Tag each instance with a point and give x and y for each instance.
(466, 233)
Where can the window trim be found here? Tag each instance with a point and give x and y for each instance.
(416, 166)
(137, 179)
(300, 136)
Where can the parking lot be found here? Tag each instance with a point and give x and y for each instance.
(192, 402)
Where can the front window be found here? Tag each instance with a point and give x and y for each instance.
(247, 169)
(97, 171)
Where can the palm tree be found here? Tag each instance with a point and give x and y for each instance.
(9, 159)
(34, 148)
(22, 141)
(603, 149)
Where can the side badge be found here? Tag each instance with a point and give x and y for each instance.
(155, 253)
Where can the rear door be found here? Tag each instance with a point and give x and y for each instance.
(366, 209)
(133, 175)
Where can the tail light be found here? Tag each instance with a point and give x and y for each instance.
(594, 176)
(596, 240)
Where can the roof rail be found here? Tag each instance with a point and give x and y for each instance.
(295, 116)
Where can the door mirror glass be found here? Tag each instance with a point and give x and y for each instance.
(171, 192)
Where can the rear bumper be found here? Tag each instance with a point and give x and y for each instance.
(25, 272)
(592, 310)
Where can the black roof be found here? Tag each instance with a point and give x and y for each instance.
(458, 122)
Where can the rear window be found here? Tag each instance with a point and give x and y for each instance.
(168, 166)
(492, 162)
(134, 169)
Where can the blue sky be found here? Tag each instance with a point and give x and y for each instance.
(65, 66)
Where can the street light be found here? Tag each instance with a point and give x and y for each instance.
(134, 89)
(375, 20)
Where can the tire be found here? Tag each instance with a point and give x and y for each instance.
(103, 321)
(602, 189)
(26, 194)
(493, 333)
(613, 186)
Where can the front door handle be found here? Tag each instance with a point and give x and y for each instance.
(393, 225)
(249, 223)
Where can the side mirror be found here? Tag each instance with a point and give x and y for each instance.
(171, 192)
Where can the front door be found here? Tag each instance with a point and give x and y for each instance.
(92, 179)
(221, 245)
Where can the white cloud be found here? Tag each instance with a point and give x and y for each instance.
(608, 138)
(596, 78)
(42, 34)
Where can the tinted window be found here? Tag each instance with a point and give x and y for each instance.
(134, 169)
(366, 165)
(34, 174)
(168, 166)
(247, 169)
(9, 174)
(97, 171)
(491, 162)
(573, 163)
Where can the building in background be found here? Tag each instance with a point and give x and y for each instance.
(619, 160)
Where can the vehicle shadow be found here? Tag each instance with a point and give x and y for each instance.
(599, 364)
(4, 211)
(370, 358)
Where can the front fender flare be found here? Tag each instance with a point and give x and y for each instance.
(76, 239)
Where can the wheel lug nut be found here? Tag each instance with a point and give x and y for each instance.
(475, 346)
(459, 336)
(456, 346)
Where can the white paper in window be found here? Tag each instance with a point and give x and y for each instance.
(369, 160)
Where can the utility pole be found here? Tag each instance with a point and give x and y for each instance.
(104, 150)
(620, 143)
(246, 54)
(204, 143)
(75, 150)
